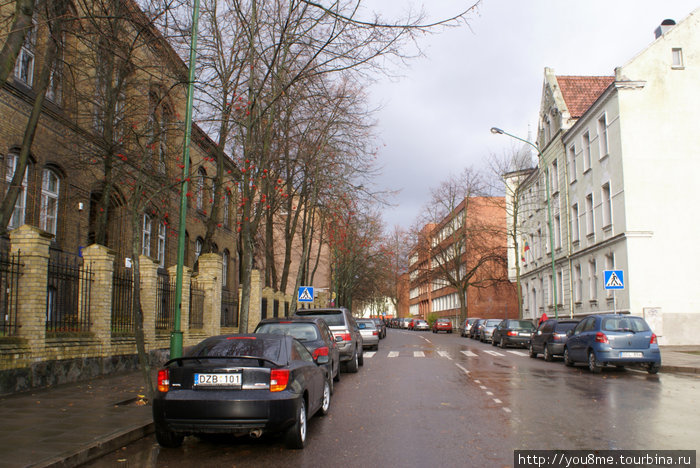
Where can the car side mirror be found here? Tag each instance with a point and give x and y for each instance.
(322, 359)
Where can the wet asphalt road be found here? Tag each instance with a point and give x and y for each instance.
(428, 400)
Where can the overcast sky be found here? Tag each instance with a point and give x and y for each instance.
(435, 120)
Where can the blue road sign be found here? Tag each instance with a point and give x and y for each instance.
(614, 279)
(305, 294)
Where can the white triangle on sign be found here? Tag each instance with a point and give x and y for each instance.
(305, 295)
(613, 281)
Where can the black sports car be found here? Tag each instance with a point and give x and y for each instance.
(241, 384)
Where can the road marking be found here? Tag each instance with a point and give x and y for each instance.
(393, 353)
(519, 353)
(463, 369)
(482, 387)
(489, 393)
(507, 410)
(477, 381)
(418, 354)
(369, 354)
(445, 354)
(425, 339)
(497, 401)
(493, 353)
(469, 354)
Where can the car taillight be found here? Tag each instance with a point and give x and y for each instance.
(163, 380)
(342, 336)
(512, 333)
(653, 339)
(556, 337)
(278, 379)
(322, 351)
(375, 333)
(601, 337)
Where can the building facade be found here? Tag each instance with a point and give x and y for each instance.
(619, 157)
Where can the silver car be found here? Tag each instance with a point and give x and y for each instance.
(369, 332)
(345, 331)
(487, 331)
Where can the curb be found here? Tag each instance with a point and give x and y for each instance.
(680, 369)
(99, 447)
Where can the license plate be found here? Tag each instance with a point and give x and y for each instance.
(525, 334)
(631, 354)
(217, 380)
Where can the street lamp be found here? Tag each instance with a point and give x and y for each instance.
(498, 131)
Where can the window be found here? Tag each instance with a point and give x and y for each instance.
(572, 163)
(574, 223)
(550, 291)
(589, 215)
(162, 231)
(555, 177)
(557, 232)
(677, 58)
(578, 285)
(24, 68)
(17, 218)
(592, 280)
(542, 292)
(586, 151)
(560, 287)
(146, 236)
(163, 140)
(609, 265)
(198, 248)
(226, 210)
(54, 89)
(201, 174)
(603, 135)
(50, 185)
(606, 205)
(224, 271)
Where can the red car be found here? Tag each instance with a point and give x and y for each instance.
(442, 324)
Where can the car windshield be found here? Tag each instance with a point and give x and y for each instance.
(634, 324)
(244, 345)
(334, 318)
(300, 331)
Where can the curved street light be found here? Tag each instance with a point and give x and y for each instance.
(498, 131)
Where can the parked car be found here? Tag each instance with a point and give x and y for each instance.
(312, 332)
(487, 329)
(241, 384)
(442, 324)
(344, 328)
(621, 340)
(513, 332)
(369, 332)
(550, 338)
(466, 325)
(476, 328)
(381, 326)
(405, 322)
(421, 325)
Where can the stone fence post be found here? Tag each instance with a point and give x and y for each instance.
(33, 245)
(101, 261)
(148, 270)
(255, 301)
(209, 279)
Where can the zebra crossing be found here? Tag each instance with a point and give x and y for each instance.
(443, 353)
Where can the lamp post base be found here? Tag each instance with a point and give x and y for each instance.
(175, 344)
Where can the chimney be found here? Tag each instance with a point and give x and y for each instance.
(665, 26)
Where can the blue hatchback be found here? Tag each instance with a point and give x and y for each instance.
(620, 340)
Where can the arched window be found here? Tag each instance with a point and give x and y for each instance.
(226, 211)
(162, 231)
(201, 174)
(198, 248)
(50, 187)
(146, 236)
(18, 213)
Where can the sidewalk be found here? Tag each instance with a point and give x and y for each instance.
(71, 424)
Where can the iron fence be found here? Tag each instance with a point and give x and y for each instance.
(196, 306)
(263, 308)
(165, 318)
(276, 308)
(9, 287)
(123, 322)
(67, 294)
(229, 308)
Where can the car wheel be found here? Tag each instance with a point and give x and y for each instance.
(593, 364)
(168, 439)
(567, 359)
(654, 367)
(493, 343)
(352, 364)
(361, 357)
(503, 343)
(326, 403)
(547, 353)
(533, 354)
(296, 435)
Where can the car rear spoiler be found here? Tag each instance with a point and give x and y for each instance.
(261, 360)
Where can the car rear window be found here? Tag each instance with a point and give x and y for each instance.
(332, 318)
(362, 325)
(491, 323)
(564, 327)
(521, 324)
(233, 346)
(300, 331)
(635, 324)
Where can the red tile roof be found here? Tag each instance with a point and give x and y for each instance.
(580, 92)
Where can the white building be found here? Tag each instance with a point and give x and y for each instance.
(622, 157)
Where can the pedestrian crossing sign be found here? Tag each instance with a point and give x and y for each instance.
(306, 294)
(614, 279)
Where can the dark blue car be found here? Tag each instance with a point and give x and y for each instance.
(620, 340)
